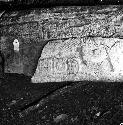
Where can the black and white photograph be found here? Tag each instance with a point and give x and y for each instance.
(61, 62)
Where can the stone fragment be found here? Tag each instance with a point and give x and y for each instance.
(60, 118)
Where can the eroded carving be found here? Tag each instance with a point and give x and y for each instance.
(72, 67)
(45, 66)
(60, 65)
(87, 58)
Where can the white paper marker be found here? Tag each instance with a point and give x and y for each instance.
(16, 45)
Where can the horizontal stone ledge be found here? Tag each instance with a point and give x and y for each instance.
(58, 12)
(108, 30)
(61, 22)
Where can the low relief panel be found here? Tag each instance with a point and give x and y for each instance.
(45, 67)
(60, 65)
(72, 67)
(74, 59)
(57, 68)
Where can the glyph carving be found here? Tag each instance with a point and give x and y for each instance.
(81, 59)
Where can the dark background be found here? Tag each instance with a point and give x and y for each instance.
(21, 4)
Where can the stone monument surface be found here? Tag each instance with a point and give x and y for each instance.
(76, 59)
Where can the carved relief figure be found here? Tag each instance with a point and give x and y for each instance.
(72, 67)
(60, 65)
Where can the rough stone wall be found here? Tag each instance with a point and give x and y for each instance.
(34, 28)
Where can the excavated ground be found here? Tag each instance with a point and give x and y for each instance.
(64, 103)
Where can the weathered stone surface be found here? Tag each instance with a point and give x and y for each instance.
(63, 61)
(64, 22)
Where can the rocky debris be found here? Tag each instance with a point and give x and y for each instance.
(79, 103)
(17, 94)
(60, 118)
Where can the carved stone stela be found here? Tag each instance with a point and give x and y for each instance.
(80, 59)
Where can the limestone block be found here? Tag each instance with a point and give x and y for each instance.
(75, 60)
